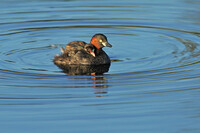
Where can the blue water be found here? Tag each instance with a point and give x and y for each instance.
(152, 86)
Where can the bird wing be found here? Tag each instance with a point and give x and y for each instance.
(73, 47)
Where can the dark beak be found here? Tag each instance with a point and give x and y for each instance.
(106, 44)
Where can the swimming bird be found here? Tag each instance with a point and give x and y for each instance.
(82, 53)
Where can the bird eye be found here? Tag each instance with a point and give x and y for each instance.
(100, 41)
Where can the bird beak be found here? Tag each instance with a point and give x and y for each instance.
(92, 53)
(106, 44)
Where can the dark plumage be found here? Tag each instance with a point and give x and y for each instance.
(79, 52)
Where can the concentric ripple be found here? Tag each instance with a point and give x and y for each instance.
(155, 55)
(144, 46)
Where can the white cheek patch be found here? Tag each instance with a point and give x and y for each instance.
(104, 44)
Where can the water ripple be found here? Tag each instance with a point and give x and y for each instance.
(155, 59)
(164, 47)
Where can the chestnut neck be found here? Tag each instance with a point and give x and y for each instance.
(94, 41)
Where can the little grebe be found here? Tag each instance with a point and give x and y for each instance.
(79, 52)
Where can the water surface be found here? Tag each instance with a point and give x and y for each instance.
(153, 84)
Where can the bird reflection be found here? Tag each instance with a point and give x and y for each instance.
(99, 82)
